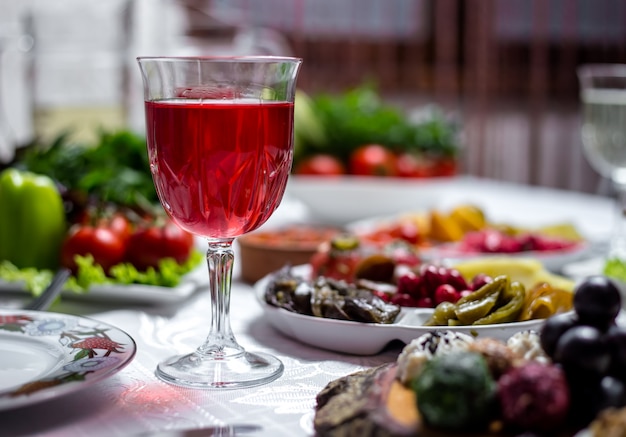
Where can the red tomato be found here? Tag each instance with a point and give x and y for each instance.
(340, 266)
(320, 165)
(445, 167)
(410, 166)
(106, 247)
(407, 231)
(118, 223)
(148, 245)
(372, 160)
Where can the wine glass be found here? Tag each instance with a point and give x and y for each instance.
(603, 97)
(220, 142)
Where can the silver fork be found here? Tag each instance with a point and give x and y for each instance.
(43, 301)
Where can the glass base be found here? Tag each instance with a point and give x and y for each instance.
(196, 370)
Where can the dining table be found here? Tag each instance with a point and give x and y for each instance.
(134, 401)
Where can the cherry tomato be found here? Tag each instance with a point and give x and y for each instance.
(106, 247)
(407, 231)
(118, 223)
(372, 160)
(148, 245)
(336, 264)
(445, 167)
(410, 166)
(445, 293)
(320, 165)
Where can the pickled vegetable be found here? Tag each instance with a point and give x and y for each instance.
(328, 298)
(499, 301)
(510, 311)
(544, 300)
(442, 315)
(471, 311)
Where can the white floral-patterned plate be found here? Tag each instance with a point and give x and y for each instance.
(45, 355)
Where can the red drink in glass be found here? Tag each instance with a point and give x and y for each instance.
(220, 167)
(220, 142)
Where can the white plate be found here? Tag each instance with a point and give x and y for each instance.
(368, 338)
(135, 293)
(340, 200)
(46, 355)
(553, 260)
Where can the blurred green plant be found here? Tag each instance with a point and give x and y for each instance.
(115, 169)
(338, 124)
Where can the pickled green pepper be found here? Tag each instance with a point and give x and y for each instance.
(510, 311)
(32, 220)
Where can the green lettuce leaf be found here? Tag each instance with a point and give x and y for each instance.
(169, 274)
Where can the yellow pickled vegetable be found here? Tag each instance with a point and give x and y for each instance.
(544, 301)
(528, 271)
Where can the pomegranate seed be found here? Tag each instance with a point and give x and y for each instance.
(403, 299)
(424, 302)
(479, 281)
(410, 283)
(446, 293)
(464, 293)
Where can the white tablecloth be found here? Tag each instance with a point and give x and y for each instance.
(134, 401)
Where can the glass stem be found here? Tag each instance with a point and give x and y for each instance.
(618, 240)
(221, 342)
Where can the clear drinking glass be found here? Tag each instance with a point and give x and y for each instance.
(603, 97)
(220, 143)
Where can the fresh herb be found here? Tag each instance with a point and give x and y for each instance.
(115, 169)
(615, 268)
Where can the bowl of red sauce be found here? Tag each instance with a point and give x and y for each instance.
(265, 251)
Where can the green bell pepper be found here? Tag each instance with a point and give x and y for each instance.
(32, 220)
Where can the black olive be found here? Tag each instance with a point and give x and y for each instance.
(597, 301)
(553, 328)
(583, 350)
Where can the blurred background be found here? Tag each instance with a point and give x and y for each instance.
(506, 69)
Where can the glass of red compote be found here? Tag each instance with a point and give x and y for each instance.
(220, 141)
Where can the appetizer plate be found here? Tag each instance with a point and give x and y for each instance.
(368, 338)
(132, 293)
(341, 200)
(553, 260)
(449, 253)
(46, 355)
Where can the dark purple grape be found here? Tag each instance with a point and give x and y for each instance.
(586, 395)
(616, 340)
(582, 350)
(552, 330)
(597, 301)
(613, 393)
(590, 396)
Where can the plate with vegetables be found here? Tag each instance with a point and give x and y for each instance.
(111, 257)
(357, 154)
(363, 316)
(465, 231)
(92, 209)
